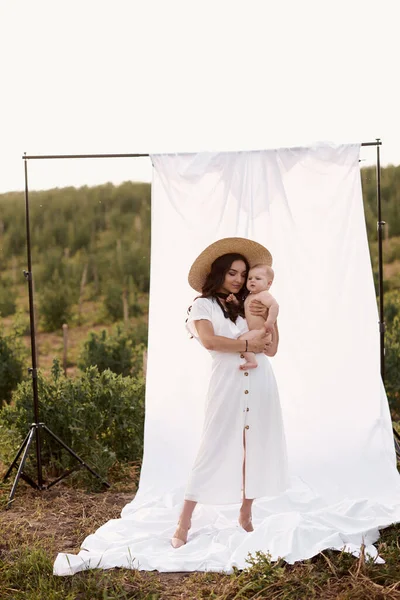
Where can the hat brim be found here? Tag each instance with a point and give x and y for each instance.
(254, 252)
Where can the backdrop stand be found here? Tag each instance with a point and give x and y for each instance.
(382, 324)
(36, 427)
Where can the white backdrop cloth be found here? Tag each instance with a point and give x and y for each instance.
(305, 205)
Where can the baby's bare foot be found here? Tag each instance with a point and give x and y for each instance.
(248, 365)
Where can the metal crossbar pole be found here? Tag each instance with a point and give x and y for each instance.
(110, 155)
(50, 156)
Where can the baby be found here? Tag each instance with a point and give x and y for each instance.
(259, 280)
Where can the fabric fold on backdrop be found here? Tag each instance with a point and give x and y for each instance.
(305, 205)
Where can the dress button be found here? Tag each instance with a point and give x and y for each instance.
(246, 391)
(247, 409)
(242, 356)
(246, 373)
(247, 427)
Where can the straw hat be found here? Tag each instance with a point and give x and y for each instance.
(254, 253)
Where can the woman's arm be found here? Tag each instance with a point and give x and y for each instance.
(272, 348)
(224, 344)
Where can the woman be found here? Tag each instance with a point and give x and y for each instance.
(242, 453)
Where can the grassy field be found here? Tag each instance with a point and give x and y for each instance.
(39, 525)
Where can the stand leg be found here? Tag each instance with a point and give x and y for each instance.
(78, 458)
(14, 462)
(21, 466)
(397, 448)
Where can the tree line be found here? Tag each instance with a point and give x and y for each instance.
(90, 220)
(390, 199)
(87, 243)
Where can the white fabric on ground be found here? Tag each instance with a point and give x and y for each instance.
(305, 205)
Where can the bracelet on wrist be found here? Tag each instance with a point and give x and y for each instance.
(247, 345)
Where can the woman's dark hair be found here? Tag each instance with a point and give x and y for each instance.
(215, 279)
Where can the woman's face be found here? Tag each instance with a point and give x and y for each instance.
(235, 278)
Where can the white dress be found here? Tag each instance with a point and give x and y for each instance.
(238, 402)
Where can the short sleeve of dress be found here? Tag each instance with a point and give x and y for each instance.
(200, 309)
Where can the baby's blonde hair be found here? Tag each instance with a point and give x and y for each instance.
(269, 270)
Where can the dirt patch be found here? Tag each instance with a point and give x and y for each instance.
(60, 517)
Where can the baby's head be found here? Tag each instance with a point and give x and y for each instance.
(260, 278)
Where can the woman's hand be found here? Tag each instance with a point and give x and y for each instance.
(258, 309)
(272, 348)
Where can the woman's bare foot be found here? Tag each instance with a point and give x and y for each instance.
(181, 534)
(248, 365)
(245, 521)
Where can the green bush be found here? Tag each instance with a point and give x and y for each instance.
(387, 283)
(391, 306)
(136, 264)
(391, 250)
(55, 304)
(113, 302)
(11, 364)
(394, 282)
(117, 352)
(392, 362)
(7, 299)
(99, 415)
(139, 333)
(52, 261)
(56, 263)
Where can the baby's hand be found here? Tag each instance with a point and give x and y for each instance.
(232, 298)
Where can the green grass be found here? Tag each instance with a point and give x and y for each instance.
(41, 524)
(27, 574)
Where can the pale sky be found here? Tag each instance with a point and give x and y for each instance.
(95, 76)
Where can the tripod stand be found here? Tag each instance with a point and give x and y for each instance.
(36, 427)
